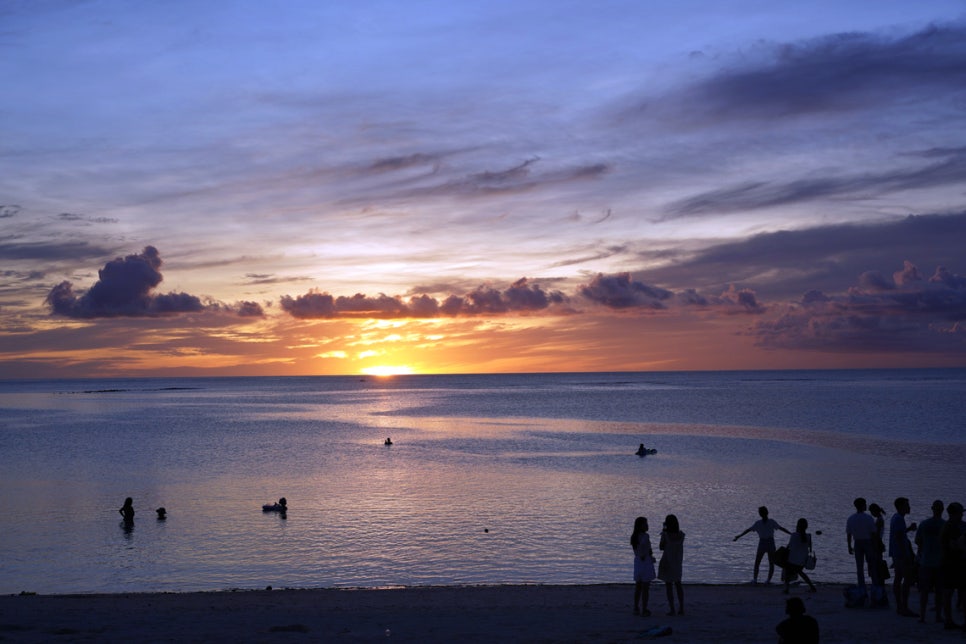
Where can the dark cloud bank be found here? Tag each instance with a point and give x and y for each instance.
(902, 312)
(125, 289)
(520, 297)
(837, 73)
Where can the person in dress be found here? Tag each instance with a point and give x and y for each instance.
(643, 566)
(799, 547)
(672, 562)
(765, 528)
(798, 628)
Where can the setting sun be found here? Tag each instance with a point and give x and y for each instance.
(388, 370)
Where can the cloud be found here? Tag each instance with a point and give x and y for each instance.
(250, 309)
(255, 279)
(736, 300)
(841, 72)
(520, 297)
(7, 211)
(123, 290)
(69, 216)
(903, 313)
(50, 251)
(756, 195)
(393, 164)
(516, 179)
(621, 292)
(785, 263)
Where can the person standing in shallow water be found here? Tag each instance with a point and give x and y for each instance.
(672, 562)
(765, 528)
(127, 511)
(643, 566)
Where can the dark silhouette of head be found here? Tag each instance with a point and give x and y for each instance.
(671, 524)
(794, 606)
(801, 526)
(763, 512)
(859, 504)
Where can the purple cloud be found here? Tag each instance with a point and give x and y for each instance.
(520, 297)
(841, 72)
(904, 313)
(123, 290)
(621, 292)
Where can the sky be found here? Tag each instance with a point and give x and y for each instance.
(322, 188)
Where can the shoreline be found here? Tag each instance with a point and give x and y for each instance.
(506, 613)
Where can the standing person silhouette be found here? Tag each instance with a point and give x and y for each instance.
(928, 538)
(860, 530)
(127, 512)
(672, 562)
(903, 556)
(765, 528)
(952, 561)
(643, 566)
(799, 545)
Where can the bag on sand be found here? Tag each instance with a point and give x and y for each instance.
(781, 557)
(879, 597)
(854, 597)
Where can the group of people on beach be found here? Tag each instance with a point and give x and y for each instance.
(668, 570)
(937, 563)
(934, 559)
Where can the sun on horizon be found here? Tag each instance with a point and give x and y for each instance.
(388, 370)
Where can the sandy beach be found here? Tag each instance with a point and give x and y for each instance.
(598, 613)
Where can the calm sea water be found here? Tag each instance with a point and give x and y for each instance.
(492, 479)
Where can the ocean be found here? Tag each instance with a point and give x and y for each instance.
(491, 479)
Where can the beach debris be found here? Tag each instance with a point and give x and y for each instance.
(656, 631)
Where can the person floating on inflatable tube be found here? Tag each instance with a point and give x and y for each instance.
(279, 506)
(643, 451)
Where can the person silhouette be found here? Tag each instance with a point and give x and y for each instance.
(860, 529)
(127, 511)
(162, 514)
(765, 528)
(672, 560)
(643, 566)
(799, 547)
(797, 628)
